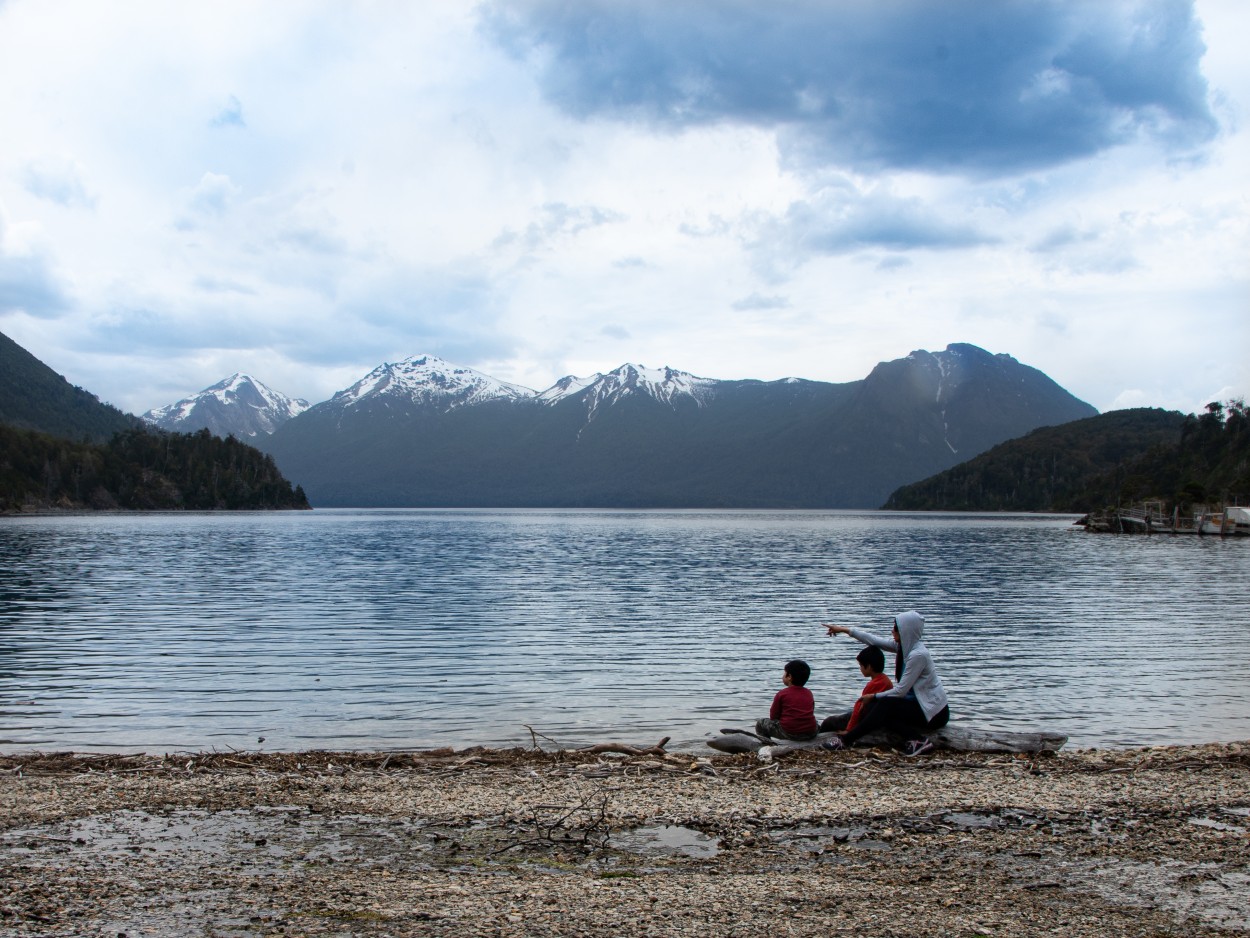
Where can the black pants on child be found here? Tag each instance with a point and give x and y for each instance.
(836, 723)
(772, 729)
(900, 715)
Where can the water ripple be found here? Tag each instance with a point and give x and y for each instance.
(385, 629)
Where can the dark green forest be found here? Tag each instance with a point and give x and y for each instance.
(138, 469)
(1113, 459)
(1210, 465)
(34, 397)
(61, 448)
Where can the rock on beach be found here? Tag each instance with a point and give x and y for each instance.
(529, 842)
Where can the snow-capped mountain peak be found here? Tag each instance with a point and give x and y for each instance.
(240, 405)
(568, 386)
(665, 385)
(427, 379)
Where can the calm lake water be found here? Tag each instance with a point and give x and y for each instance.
(396, 629)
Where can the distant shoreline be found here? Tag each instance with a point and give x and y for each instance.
(94, 512)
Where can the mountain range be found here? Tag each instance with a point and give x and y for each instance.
(424, 433)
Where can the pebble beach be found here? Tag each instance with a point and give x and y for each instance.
(537, 842)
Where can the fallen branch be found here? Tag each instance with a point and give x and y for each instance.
(534, 735)
(583, 825)
(622, 749)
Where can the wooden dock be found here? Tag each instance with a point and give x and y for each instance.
(1152, 518)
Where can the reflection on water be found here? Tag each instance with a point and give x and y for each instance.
(393, 629)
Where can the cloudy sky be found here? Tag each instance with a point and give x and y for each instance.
(735, 188)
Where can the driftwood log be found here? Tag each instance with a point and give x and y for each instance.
(958, 738)
(973, 739)
(623, 749)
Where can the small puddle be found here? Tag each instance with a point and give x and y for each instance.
(1217, 825)
(272, 833)
(878, 845)
(137, 831)
(666, 840)
(817, 838)
(967, 822)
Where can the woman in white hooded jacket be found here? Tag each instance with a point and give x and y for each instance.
(916, 704)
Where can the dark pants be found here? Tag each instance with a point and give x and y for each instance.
(836, 723)
(772, 729)
(900, 715)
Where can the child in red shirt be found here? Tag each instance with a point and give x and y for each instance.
(793, 714)
(872, 666)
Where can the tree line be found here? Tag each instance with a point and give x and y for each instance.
(1105, 461)
(1209, 465)
(140, 468)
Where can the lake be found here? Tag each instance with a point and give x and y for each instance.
(393, 629)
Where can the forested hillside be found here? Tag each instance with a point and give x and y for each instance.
(60, 448)
(138, 469)
(1115, 458)
(34, 397)
(1209, 465)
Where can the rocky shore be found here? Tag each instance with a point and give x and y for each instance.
(525, 842)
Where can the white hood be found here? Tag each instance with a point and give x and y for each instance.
(910, 629)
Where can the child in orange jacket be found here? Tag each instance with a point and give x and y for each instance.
(872, 666)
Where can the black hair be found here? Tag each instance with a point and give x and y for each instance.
(799, 671)
(872, 657)
(899, 661)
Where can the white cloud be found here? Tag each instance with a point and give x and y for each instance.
(29, 283)
(760, 301)
(231, 114)
(210, 199)
(59, 180)
(303, 194)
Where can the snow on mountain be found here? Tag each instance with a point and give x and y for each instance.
(240, 406)
(431, 381)
(695, 442)
(426, 379)
(568, 386)
(663, 384)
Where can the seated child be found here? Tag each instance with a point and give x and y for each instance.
(793, 714)
(871, 665)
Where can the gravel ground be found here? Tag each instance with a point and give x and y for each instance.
(525, 842)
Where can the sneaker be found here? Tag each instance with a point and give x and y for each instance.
(916, 746)
(833, 744)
